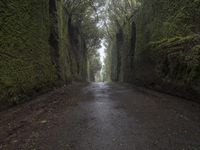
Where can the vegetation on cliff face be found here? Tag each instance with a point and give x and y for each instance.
(25, 63)
(163, 48)
(160, 20)
(48, 43)
(167, 52)
(83, 35)
(178, 60)
(43, 43)
(120, 34)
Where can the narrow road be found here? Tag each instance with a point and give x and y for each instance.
(113, 117)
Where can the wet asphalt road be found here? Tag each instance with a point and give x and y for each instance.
(116, 117)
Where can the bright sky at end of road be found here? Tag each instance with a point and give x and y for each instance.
(102, 52)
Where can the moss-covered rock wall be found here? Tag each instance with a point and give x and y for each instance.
(122, 53)
(167, 47)
(36, 51)
(73, 51)
(160, 48)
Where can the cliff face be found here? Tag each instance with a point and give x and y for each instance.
(166, 54)
(167, 51)
(122, 53)
(72, 48)
(173, 65)
(37, 51)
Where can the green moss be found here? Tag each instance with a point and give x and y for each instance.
(25, 64)
(28, 63)
(64, 44)
(178, 59)
(176, 41)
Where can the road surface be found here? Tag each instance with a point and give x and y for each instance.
(102, 116)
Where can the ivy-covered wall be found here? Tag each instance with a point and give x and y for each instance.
(25, 63)
(73, 52)
(167, 47)
(35, 49)
(122, 53)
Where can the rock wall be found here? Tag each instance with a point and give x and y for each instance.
(37, 52)
(175, 66)
(122, 53)
(160, 49)
(167, 48)
(73, 52)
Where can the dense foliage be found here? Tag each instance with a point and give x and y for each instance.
(48, 43)
(44, 43)
(164, 19)
(25, 63)
(162, 51)
(167, 47)
(120, 31)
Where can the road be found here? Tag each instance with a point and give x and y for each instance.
(103, 116)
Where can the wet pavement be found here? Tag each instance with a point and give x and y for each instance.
(119, 117)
